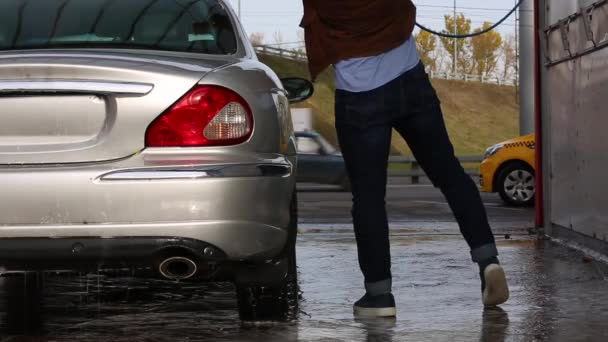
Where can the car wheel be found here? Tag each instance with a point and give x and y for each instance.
(516, 184)
(259, 300)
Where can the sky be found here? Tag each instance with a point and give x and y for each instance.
(270, 16)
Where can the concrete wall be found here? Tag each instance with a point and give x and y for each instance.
(574, 68)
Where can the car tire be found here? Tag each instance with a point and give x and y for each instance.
(259, 300)
(516, 184)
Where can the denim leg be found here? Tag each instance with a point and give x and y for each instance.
(421, 124)
(365, 143)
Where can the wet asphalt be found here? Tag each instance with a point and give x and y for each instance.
(557, 294)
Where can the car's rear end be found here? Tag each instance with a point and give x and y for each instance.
(139, 133)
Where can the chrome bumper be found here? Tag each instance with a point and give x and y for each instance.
(240, 208)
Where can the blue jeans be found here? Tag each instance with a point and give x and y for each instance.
(364, 122)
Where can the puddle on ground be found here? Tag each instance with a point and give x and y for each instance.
(554, 297)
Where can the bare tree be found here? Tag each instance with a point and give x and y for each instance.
(442, 59)
(278, 39)
(257, 38)
(300, 34)
(301, 47)
(509, 56)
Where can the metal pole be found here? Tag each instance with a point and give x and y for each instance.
(240, 9)
(542, 153)
(516, 54)
(455, 41)
(526, 67)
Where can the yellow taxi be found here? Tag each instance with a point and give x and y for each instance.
(508, 168)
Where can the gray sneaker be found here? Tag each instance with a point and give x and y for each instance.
(495, 290)
(376, 306)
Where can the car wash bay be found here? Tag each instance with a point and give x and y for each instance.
(557, 293)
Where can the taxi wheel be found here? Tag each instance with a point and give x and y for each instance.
(516, 184)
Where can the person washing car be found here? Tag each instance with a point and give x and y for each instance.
(381, 84)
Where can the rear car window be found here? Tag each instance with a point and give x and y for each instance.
(201, 26)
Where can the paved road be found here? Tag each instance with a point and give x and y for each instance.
(555, 296)
(407, 205)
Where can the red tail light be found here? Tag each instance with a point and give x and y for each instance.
(205, 116)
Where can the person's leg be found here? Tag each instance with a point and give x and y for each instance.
(421, 124)
(364, 138)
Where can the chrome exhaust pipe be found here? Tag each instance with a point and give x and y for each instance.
(177, 268)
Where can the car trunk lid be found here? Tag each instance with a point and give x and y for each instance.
(83, 107)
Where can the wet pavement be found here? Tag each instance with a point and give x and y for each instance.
(556, 294)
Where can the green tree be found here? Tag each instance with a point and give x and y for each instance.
(427, 43)
(463, 26)
(485, 49)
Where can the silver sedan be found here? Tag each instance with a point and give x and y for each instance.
(145, 133)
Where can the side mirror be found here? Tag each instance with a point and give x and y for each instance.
(298, 89)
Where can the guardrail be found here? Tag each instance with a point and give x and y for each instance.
(289, 54)
(416, 172)
(301, 57)
(473, 78)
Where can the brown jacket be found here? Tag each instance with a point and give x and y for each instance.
(342, 29)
